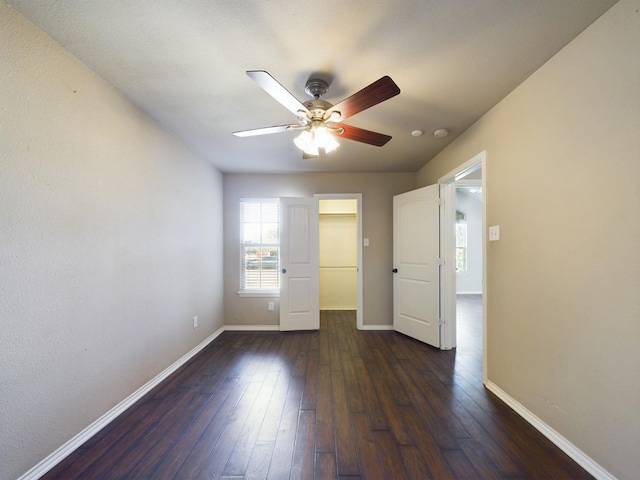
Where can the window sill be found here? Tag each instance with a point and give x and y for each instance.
(259, 293)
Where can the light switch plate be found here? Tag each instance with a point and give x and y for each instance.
(366, 242)
(494, 233)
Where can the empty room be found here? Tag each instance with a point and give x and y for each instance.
(342, 240)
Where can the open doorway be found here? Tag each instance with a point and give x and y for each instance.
(463, 278)
(468, 245)
(340, 253)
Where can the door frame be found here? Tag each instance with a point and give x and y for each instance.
(358, 198)
(447, 245)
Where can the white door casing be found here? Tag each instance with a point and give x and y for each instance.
(447, 242)
(416, 261)
(299, 262)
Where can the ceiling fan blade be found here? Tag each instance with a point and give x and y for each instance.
(379, 91)
(264, 131)
(277, 91)
(361, 135)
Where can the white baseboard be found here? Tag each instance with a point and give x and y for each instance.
(65, 450)
(338, 309)
(565, 445)
(252, 328)
(468, 293)
(377, 327)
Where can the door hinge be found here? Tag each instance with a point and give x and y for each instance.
(440, 322)
(441, 261)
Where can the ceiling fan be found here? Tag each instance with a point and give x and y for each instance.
(319, 120)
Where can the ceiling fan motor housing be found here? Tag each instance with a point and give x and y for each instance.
(316, 87)
(317, 108)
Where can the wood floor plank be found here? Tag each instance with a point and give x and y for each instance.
(181, 449)
(392, 462)
(310, 394)
(301, 356)
(285, 440)
(273, 414)
(346, 456)
(325, 468)
(460, 464)
(239, 458)
(335, 358)
(201, 450)
(426, 444)
(387, 400)
(430, 417)
(325, 437)
(355, 400)
(323, 347)
(370, 465)
(139, 450)
(414, 463)
(372, 405)
(480, 460)
(304, 452)
(213, 466)
(258, 466)
(155, 454)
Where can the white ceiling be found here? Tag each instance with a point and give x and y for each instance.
(184, 63)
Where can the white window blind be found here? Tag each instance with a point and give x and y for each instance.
(260, 244)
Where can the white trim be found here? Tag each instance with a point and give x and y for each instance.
(252, 328)
(259, 293)
(468, 293)
(338, 309)
(70, 446)
(448, 275)
(561, 442)
(473, 182)
(377, 327)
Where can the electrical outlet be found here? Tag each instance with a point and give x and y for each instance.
(271, 306)
(195, 321)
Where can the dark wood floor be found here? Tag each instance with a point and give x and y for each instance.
(338, 403)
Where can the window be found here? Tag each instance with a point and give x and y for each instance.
(461, 242)
(260, 246)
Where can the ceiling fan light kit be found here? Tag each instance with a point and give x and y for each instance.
(319, 119)
(311, 141)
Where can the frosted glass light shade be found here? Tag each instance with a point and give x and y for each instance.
(310, 141)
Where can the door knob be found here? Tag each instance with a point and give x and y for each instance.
(284, 270)
(395, 270)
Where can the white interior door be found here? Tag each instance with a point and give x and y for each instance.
(416, 260)
(299, 277)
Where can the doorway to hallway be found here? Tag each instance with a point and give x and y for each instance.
(469, 334)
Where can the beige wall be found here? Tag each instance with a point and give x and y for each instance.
(110, 243)
(563, 165)
(377, 205)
